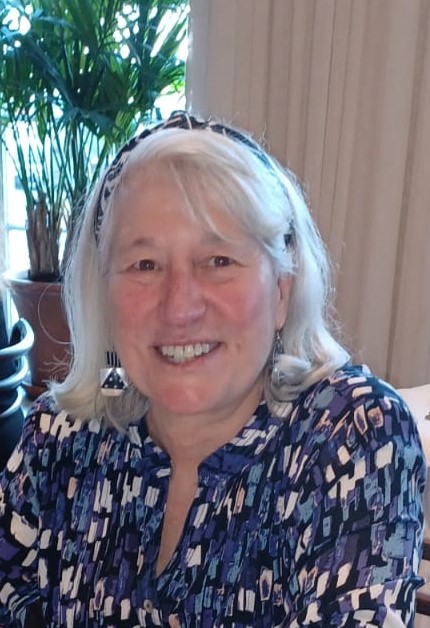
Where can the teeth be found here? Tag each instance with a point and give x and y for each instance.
(183, 353)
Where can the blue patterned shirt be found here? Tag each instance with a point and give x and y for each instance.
(314, 519)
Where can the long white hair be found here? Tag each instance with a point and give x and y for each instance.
(268, 204)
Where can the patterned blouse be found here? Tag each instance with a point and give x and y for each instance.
(314, 519)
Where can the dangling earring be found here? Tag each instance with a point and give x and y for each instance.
(113, 378)
(278, 349)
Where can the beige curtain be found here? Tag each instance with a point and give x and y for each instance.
(340, 90)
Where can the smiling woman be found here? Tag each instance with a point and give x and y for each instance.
(240, 470)
(173, 287)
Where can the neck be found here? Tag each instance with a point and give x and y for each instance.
(189, 439)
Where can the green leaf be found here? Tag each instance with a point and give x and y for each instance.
(71, 96)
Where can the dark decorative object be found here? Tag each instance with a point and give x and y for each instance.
(40, 304)
(113, 380)
(13, 368)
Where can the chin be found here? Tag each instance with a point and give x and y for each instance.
(186, 408)
(185, 404)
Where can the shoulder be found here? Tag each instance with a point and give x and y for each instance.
(51, 435)
(355, 392)
(353, 412)
(46, 420)
(354, 438)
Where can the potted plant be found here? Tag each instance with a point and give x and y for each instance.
(77, 78)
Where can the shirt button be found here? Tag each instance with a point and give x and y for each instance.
(148, 606)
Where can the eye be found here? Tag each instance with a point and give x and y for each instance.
(144, 264)
(220, 261)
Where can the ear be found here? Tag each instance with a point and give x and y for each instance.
(284, 288)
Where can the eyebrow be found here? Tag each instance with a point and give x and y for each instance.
(141, 241)
(209, 237)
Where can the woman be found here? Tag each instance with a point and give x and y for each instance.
(233, 469)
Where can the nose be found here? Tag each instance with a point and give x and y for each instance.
(183, 301)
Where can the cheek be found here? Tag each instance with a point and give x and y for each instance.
(254, 307)
(124, 310)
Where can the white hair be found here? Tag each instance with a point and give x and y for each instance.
(267, 202)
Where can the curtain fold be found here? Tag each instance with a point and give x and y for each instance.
(340, 91)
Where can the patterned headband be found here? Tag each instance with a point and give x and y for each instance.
(180, 120)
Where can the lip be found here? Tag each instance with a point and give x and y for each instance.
(183, 343)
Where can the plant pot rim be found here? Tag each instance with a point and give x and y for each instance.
(21, 276)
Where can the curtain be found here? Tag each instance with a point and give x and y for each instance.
(340, 92)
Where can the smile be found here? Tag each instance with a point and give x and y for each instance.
(185, 353)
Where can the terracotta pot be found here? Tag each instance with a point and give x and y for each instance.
(41, 305)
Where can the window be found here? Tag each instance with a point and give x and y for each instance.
(13, 245)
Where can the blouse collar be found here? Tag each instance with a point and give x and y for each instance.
(243, 450)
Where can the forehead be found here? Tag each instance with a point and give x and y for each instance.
(156, 194)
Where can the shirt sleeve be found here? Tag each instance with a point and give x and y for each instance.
(359, 514)
(19, 525)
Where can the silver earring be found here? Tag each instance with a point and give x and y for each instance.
(113, 378)
(278, 349)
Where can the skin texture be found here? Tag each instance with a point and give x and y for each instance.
(172, 282)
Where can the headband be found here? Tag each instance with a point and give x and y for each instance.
(179, 120)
